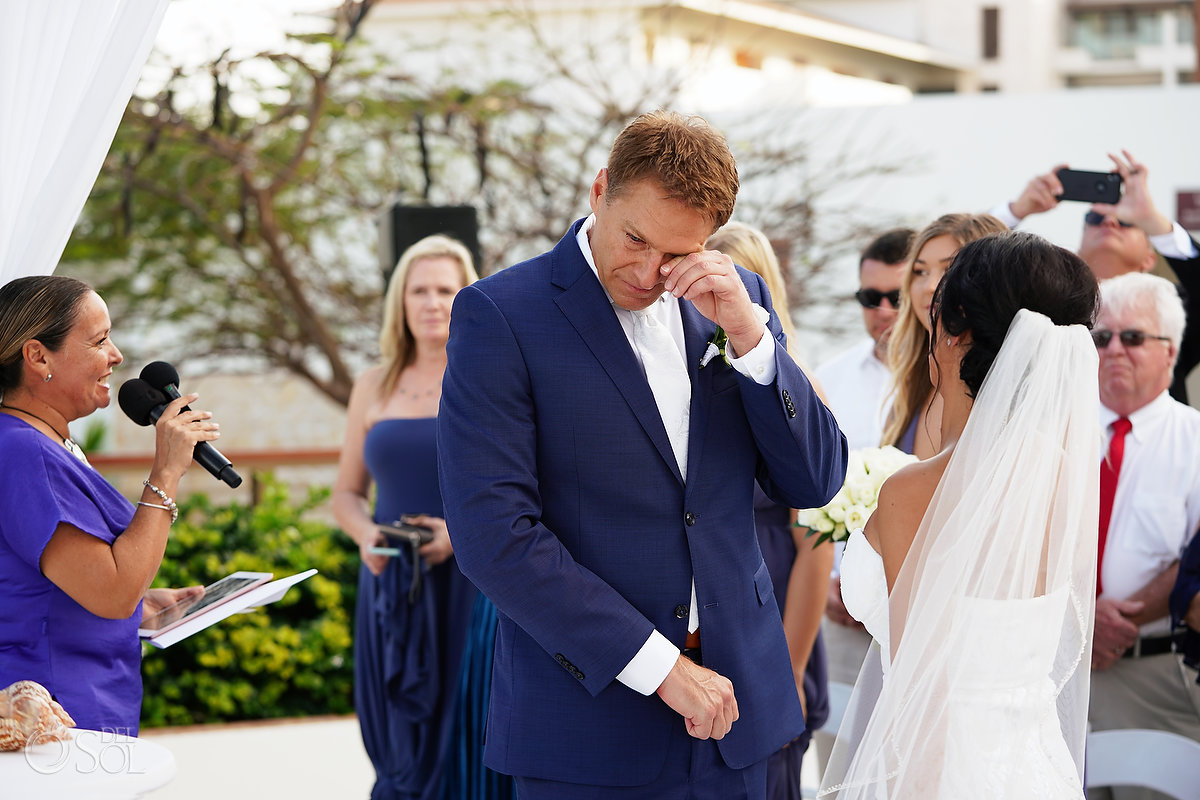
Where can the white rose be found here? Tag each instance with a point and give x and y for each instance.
(823, 524)
(893, 459)
(856, 517)
(874, 458)
(836, 508)
(863, 492)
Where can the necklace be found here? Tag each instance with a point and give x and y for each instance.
(66, 440)
(416, 393)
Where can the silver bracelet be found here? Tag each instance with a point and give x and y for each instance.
(169, 504)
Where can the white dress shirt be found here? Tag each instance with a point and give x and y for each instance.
(856, 387)
(1157, 505)
(646, 671)
(856, 384)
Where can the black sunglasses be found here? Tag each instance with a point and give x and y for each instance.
(1128, 338)
(871, 298)
(1095, 219)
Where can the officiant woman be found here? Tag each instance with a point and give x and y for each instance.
(77, 557)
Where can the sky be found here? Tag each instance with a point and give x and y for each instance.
(193, 30)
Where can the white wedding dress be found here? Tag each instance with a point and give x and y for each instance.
(1002, 738)
(977, 684)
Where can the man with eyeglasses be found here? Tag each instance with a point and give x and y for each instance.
(855, 383)
(1123, 238)
(1149, 510)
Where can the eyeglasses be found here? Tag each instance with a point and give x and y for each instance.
(1096, 219)
(871, 298)
(1128, 338)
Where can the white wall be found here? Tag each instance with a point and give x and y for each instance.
(971, 152)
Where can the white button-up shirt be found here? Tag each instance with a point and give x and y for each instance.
(856, 383)
(1157, 505)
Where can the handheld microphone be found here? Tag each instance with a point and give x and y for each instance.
(141, 402)
(162, 379)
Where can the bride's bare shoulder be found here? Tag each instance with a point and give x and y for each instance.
(903, 499)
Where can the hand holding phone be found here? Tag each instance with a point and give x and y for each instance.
(1089, 187)
(400, 534)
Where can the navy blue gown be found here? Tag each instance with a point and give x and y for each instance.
(773, 524)
(408, 656)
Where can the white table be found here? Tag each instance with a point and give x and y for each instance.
(92, 764)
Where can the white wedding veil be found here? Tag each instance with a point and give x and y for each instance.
(996, 596)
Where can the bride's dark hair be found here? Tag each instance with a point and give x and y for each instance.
(992, 278)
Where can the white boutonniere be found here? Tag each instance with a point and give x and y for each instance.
(716, 345)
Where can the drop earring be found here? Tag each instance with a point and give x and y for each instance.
(47, 378)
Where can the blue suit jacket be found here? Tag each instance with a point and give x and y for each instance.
(566, 508)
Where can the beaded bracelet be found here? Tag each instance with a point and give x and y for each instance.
(169, 504)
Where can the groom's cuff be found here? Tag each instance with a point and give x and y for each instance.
(646, 671)
(759, 364)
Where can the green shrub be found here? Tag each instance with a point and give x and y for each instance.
(291, 658)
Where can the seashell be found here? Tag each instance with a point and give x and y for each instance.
(28, 714)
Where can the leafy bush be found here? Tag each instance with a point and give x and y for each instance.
(291, 658)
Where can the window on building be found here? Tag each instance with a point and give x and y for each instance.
(991, 33)
(1185, 26)
(1114, 33)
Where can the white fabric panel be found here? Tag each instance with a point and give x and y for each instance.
(67, 70)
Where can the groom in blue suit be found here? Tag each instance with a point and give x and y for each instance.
(599, 440)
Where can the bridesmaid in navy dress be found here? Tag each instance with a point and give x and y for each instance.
(799, 572)
(914, 421)
(422, 630)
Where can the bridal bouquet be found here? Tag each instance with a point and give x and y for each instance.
(852, 506)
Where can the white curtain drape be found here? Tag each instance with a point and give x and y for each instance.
(67, 70)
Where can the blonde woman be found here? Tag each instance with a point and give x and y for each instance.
(414, 605)
(800, 573)
(916, 412)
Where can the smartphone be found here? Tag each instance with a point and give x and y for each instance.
(403, 532)
(1089, 187)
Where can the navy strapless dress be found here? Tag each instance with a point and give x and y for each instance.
(773, 525)
(409, 655)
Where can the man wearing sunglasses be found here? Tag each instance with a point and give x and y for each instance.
(1149, 510)
(1128, 237)
(855, 380)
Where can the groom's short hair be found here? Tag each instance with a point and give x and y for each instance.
(685, 155)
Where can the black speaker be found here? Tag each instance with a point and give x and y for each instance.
(404, 226)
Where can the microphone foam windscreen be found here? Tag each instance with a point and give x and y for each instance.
(159, 373)
(138, 398)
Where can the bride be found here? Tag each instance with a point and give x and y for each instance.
(976, 575)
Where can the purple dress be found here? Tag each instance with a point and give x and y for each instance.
(92, 666)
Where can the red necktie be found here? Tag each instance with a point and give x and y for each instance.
(1110, 468)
